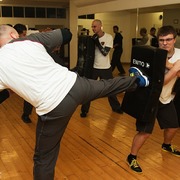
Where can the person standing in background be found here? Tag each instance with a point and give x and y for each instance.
(27, 107)
(102, 67)
(153, 38)
(145, 40)
(21, 29)
(118, 50)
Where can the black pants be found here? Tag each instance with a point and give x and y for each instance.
(116, 61)
(51, 126)
(102, 74)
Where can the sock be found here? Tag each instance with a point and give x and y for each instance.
(166, 145)
(131, 157)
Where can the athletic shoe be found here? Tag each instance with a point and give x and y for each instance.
(26, 119)
(171, 149)
(118, 110)
(83, 114)
(133, 164)
(142, 79)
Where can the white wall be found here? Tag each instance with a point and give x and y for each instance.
(31, 22)
(118, 5)
(127, 24)
(74, 29)
(172, 17)
(114, 5)
(122, 19)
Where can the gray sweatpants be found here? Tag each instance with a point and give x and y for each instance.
(51, 126)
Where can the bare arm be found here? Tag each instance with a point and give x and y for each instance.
(173, 72)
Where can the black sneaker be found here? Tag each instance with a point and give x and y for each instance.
(119, 111)
(26, 119)
(171, 149)
(133, 164)
(83, 114)
(142, 79)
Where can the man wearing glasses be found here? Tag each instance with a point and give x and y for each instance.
(166, 113)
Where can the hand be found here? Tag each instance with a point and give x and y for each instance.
(169, 65)
(95, 37)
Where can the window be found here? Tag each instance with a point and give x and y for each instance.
(61, 13)
(82, 17)
(6, 11)
(88, 16)
(51, 12)
(18, 11)
(40, 12)
(30, 12)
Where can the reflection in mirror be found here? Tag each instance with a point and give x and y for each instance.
(137, 22)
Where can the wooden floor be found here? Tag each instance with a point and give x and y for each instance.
(93, 148)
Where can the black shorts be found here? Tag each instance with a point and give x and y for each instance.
(166, 116)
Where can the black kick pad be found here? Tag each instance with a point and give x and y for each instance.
(141, 103)
(86, 51)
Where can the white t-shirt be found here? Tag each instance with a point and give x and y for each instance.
(150, 37)
(28, 70)
(101, 61)
(166, 94)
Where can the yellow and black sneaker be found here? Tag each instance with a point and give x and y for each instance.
(133, 164)
(171, 149)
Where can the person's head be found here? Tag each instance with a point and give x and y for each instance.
(97, 26)
(7, 33)
(153, 31)
(143, 31)
(115, 29)
(21, 29)
(167, 37)
(10, 25)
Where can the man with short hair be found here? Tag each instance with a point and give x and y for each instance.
(21, 29)
(102, 66)
(52, 89)
(118, 50)
(145, 40)
(27, 107)
(166, 113)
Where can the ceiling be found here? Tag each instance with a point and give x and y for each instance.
(78, 3)
(82, 3)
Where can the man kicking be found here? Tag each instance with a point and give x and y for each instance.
(27, 69)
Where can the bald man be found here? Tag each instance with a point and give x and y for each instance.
(102, 66)
(27, 69)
